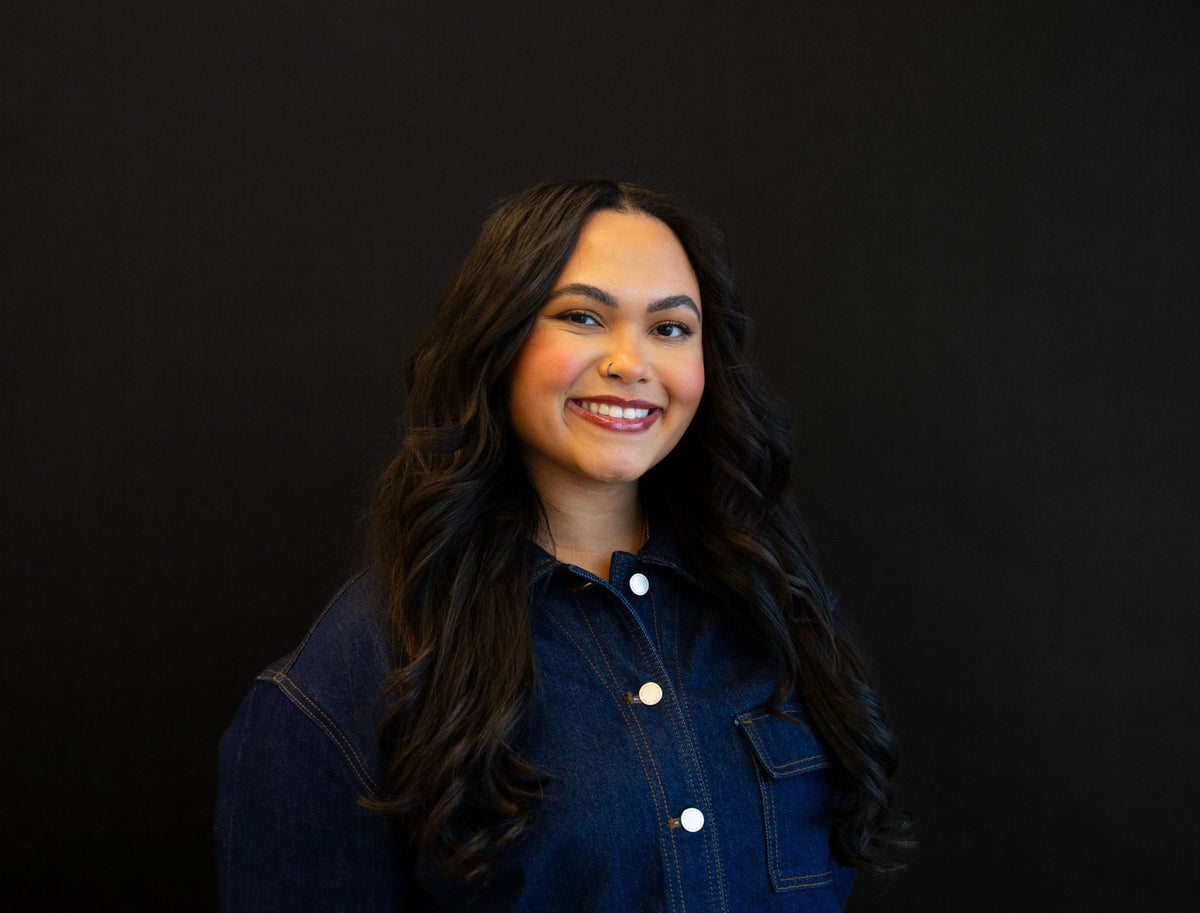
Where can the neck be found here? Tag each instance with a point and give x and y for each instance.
(586, 527)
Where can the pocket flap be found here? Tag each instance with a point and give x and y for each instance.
(784, 745)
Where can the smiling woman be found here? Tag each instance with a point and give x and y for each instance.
(592, 665)
(607, 382)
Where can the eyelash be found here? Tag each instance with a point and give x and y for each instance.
(569, 316)
(684, 329)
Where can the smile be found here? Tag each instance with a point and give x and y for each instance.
(633, 415)
(612, 410)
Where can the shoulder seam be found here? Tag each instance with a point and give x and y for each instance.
(313, 711)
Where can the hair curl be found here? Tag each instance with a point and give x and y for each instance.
(454, 510)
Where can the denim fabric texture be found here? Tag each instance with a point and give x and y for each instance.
(607, 835)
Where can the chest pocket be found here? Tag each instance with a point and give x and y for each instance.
(794, 777)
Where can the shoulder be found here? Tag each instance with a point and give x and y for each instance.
(346, 650)
(300, 757)
(327, 689)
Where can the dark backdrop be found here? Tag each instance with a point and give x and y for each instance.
(967, 230)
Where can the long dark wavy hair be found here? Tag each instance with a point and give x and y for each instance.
(454, 511)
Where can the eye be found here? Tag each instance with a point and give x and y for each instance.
(579, 318)
(672, 330)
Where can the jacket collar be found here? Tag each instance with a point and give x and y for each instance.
(662, 549)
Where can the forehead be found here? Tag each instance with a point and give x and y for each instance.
(630, 252)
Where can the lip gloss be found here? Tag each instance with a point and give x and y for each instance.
(616, 424)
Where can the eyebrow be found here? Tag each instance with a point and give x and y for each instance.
(602, 297)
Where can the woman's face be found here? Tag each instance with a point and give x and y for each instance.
(613, 370)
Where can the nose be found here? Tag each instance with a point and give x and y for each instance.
(625, 360)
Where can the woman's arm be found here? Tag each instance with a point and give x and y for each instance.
(291, 835)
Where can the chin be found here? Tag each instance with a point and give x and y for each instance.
(618, 474)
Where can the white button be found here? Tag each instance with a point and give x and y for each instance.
(650, 694)
(691, 820)
(639, 584)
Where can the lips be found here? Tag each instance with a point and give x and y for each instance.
(615, 413)
(614, 410)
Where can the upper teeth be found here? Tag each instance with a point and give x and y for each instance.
(615, 411)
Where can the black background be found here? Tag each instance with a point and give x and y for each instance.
(968, 231)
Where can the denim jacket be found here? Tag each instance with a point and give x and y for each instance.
(669, 787)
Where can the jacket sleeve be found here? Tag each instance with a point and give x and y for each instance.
(291, 834)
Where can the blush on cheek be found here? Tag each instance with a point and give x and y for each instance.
(562, 368)
(543, 365)
(690, 383)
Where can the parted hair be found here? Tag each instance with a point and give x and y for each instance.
(454, 511)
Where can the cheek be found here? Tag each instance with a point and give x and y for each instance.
(537, 366)
(689, 383)
(544, 366)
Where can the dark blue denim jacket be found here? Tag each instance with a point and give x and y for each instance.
(670, 788)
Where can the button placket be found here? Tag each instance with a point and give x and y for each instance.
(660, 725)
(650, 693)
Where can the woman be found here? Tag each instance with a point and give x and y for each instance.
(593, 666)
